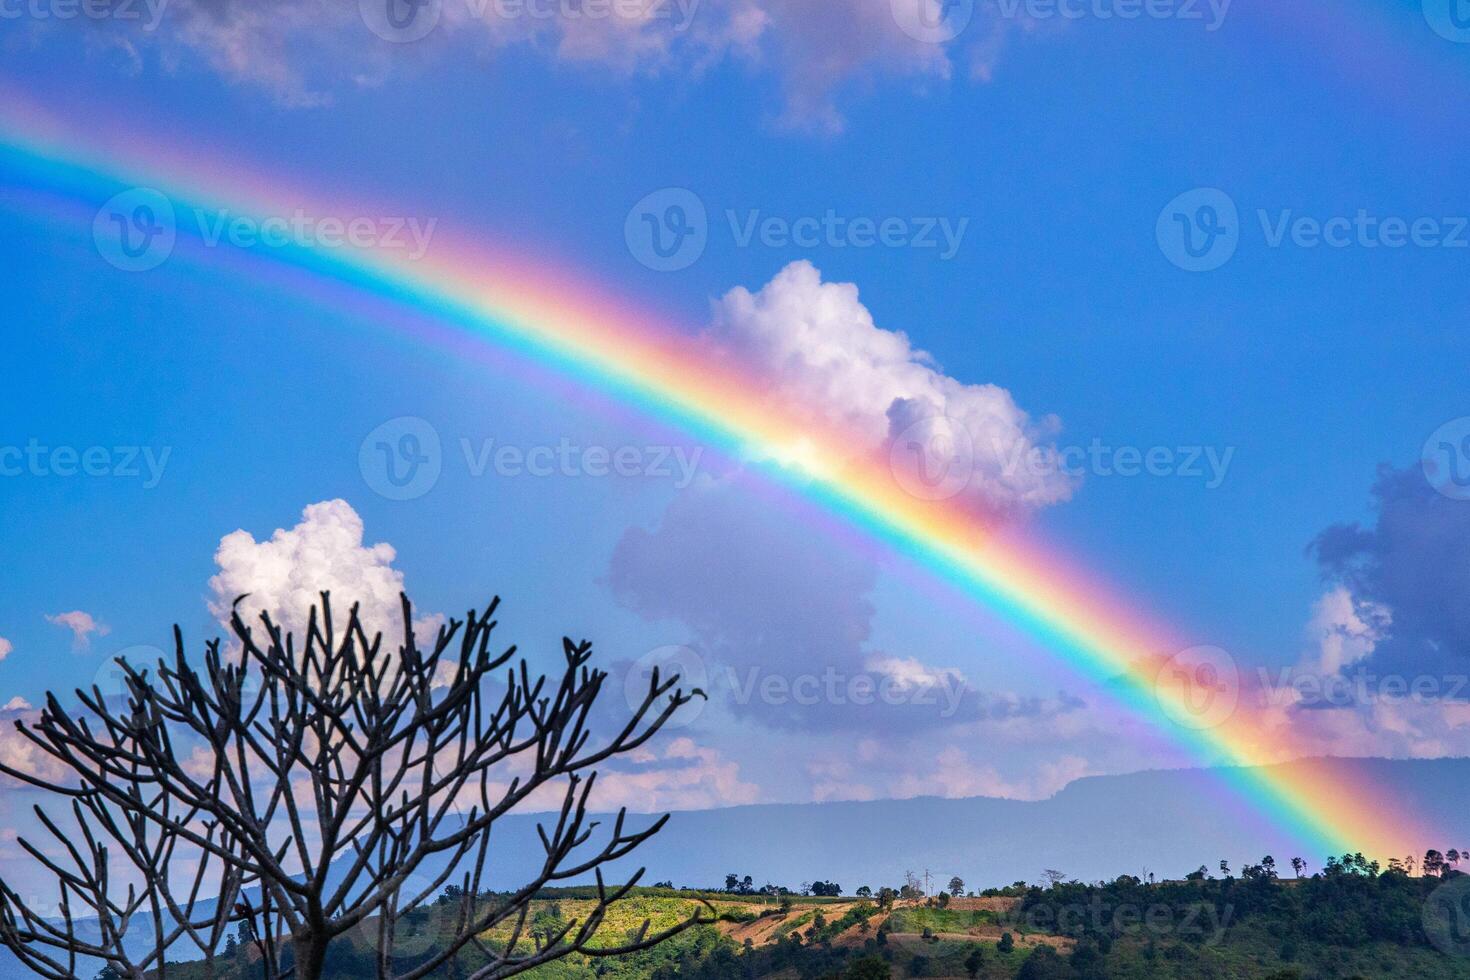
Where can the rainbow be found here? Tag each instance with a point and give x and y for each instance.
(603, 344)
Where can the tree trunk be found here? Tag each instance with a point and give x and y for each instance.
(311, 956)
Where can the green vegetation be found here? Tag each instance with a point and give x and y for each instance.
(1351, 920)
(920, 917)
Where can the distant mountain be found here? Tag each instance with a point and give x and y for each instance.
(1165, 822)
(1168, 822)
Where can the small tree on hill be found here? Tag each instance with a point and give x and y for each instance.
(305, 788)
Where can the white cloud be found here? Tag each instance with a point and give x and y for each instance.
(5, 647)
(1344, 631)
(323, 553)
(304, 52)
(817, 349)
(677, 775)
(20, 753)
(82, 626)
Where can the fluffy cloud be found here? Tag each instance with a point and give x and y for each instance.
(816, 347)
(1407, 575)
(1344, 631)
(82, 626)
(673, 774)
(323, 553)
(1386, 671)
(781, 613)
(302, 52)
(5, 647)
(819, 48)
(20, 753)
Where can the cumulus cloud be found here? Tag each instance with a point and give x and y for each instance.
(1343, 631)
(21, 754)
(5, 647)
(324, 552)
(82, 626)
(1407, 574)
(782, 615)
(1386, 669)
(815, 346)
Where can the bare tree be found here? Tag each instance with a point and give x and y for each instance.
(299, 791)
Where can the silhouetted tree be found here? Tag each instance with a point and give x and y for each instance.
(308, 787)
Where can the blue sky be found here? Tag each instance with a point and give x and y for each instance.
(1057, 143)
